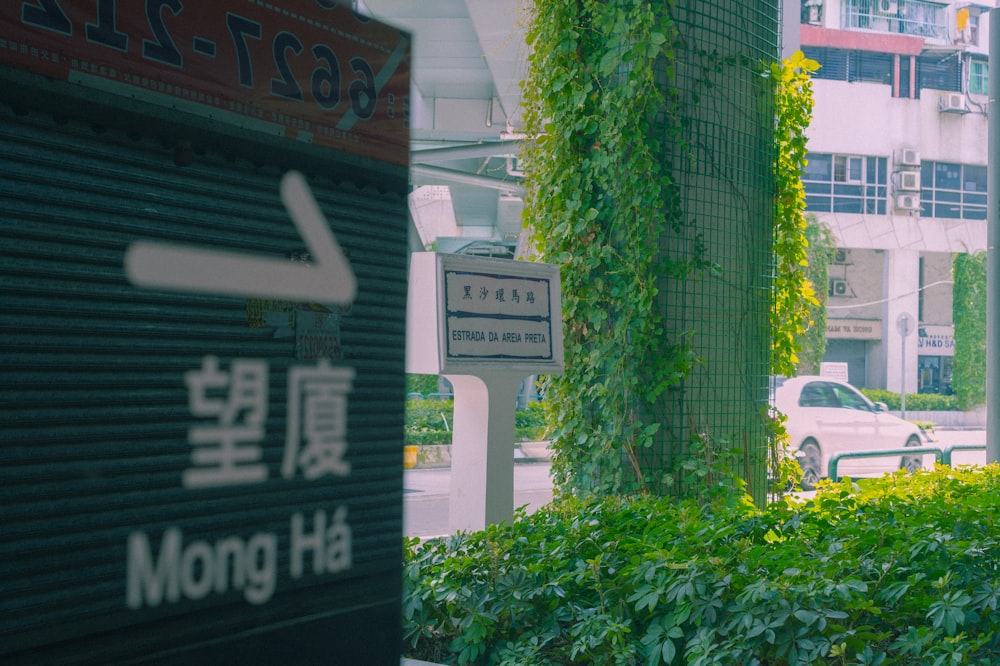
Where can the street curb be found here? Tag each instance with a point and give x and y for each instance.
(438, 456)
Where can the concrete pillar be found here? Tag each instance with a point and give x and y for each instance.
(902, 280)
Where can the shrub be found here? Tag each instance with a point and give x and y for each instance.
(430, 422)
(917, 402)
(530, 424)
(422, 384)
(429, 414)
(905, 571)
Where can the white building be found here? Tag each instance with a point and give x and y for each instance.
(897, 171)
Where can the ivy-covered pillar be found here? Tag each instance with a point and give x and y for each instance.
(651, 182)
(723, 165)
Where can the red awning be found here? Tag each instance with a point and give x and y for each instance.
(812, 35)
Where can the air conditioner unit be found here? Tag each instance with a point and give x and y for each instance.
(908, 202)
(908, 157)
(890, 7)
(838, 287)
(909, 181)
(952, 103)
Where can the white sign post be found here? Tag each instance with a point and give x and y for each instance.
(484, 324)
(905, 326)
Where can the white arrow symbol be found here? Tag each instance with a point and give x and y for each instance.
(188, 268)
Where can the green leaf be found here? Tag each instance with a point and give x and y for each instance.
(807, 617)
(668, 651)
(609, 63)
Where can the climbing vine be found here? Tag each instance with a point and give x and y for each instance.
(795, 299)
(819, 252)
(969, 311)
(798, 316)
(600, 197)
(589, 99)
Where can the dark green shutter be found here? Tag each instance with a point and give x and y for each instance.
(94, 407)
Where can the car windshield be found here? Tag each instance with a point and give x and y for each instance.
(817, 394)
(850, 398)
(827, 394)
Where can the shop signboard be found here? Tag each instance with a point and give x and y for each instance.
(936, 341)
(201, 451)
(311, 70)
(853, 329)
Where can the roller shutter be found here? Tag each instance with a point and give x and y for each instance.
(108, 554)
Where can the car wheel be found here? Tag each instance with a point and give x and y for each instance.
(809, 461)
(912, 463)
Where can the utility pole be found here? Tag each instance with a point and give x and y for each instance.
(992, 249)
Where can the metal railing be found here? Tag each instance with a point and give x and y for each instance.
(942, 455)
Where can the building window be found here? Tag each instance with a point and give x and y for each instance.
(845, 184)
(940, 72)
(956, 191)
(846, 169)
(851, 65)
(904, 76)
(979, 76)
(934, 374)
(812, 12)
(908, 17)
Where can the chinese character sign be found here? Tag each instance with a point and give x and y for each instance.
(467, 314)
(497, 295)
(316, 442)
(504, 317)
(226, 449)
(229, 404)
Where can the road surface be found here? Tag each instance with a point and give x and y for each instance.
(425, 496)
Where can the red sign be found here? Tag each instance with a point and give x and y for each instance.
(310, 70)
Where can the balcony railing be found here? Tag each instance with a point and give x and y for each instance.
(906, 17)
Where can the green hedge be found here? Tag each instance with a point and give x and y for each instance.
(422, 384)
(917, 402)
(430, 422)
(905, 572)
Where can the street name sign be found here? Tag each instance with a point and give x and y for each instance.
(485, 324)
(468, 315)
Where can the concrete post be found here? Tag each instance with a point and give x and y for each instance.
(482, 451)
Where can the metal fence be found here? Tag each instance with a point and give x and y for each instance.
(941, 454)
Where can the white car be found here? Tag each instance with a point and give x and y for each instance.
(827, 416)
